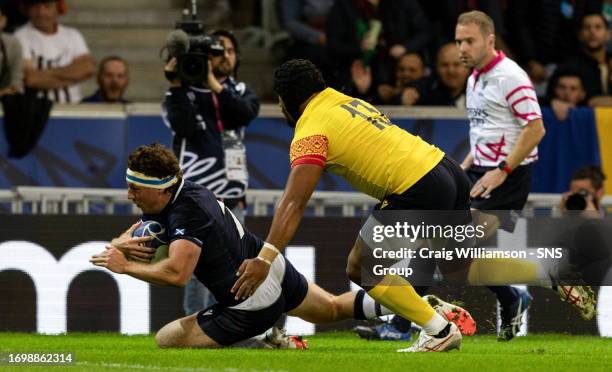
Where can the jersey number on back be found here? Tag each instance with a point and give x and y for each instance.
(368, 112)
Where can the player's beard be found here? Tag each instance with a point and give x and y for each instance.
(472, 61)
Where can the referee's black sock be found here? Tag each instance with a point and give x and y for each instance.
(506, 295)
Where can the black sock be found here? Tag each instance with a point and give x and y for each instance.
(444, 332)
(358, 312)
(366, 307)
(506, 295)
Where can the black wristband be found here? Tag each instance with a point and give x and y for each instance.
(503, 166)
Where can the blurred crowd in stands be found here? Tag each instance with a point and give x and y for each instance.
(43, 55)
(401, 52)
(394, 52)
(389, 52)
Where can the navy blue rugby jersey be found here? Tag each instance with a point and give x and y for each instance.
(195, 215)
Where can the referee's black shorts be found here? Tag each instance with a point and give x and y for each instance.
(510, 195)
(507, 199)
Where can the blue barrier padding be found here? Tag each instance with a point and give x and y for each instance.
(92, 152)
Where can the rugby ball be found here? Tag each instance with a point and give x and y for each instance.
(159, 241)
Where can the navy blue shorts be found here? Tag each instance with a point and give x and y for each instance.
(228, 325)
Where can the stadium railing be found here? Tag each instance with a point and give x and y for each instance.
(64, 200)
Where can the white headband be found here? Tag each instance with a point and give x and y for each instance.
(140, 179)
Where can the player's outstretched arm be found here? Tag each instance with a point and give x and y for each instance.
(300, 185)
(176, 270)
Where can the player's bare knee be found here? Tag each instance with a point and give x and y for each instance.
(159, 340)
(171, 335)
(163, 339)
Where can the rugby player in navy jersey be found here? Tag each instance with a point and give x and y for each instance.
(207, 240)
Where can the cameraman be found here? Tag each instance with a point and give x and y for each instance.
(208, 123)
(586, 191)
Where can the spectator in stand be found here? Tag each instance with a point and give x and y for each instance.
(544, 32)
(448, 88)
(214, 13)
(444, 13)
(592, 61)
(56, 57)
(113, 80)
(366, 37)
(15, 13)
(607, 12)
(11, 61)
(305, 21)
(565, 92)
(409, 72)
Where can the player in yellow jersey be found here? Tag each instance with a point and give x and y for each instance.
(351, 138)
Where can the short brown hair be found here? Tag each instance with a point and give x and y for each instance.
(155, 160)
(483, 21)
(593, 173)
(111, 59)
(598, 15)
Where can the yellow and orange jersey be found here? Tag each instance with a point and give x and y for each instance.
(351, 138)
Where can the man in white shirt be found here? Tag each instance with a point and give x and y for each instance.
(56, 57)
(505, 128)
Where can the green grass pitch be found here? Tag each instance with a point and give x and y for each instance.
(336, 351)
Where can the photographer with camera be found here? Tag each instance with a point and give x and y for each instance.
(207, 110)
(586, 191)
